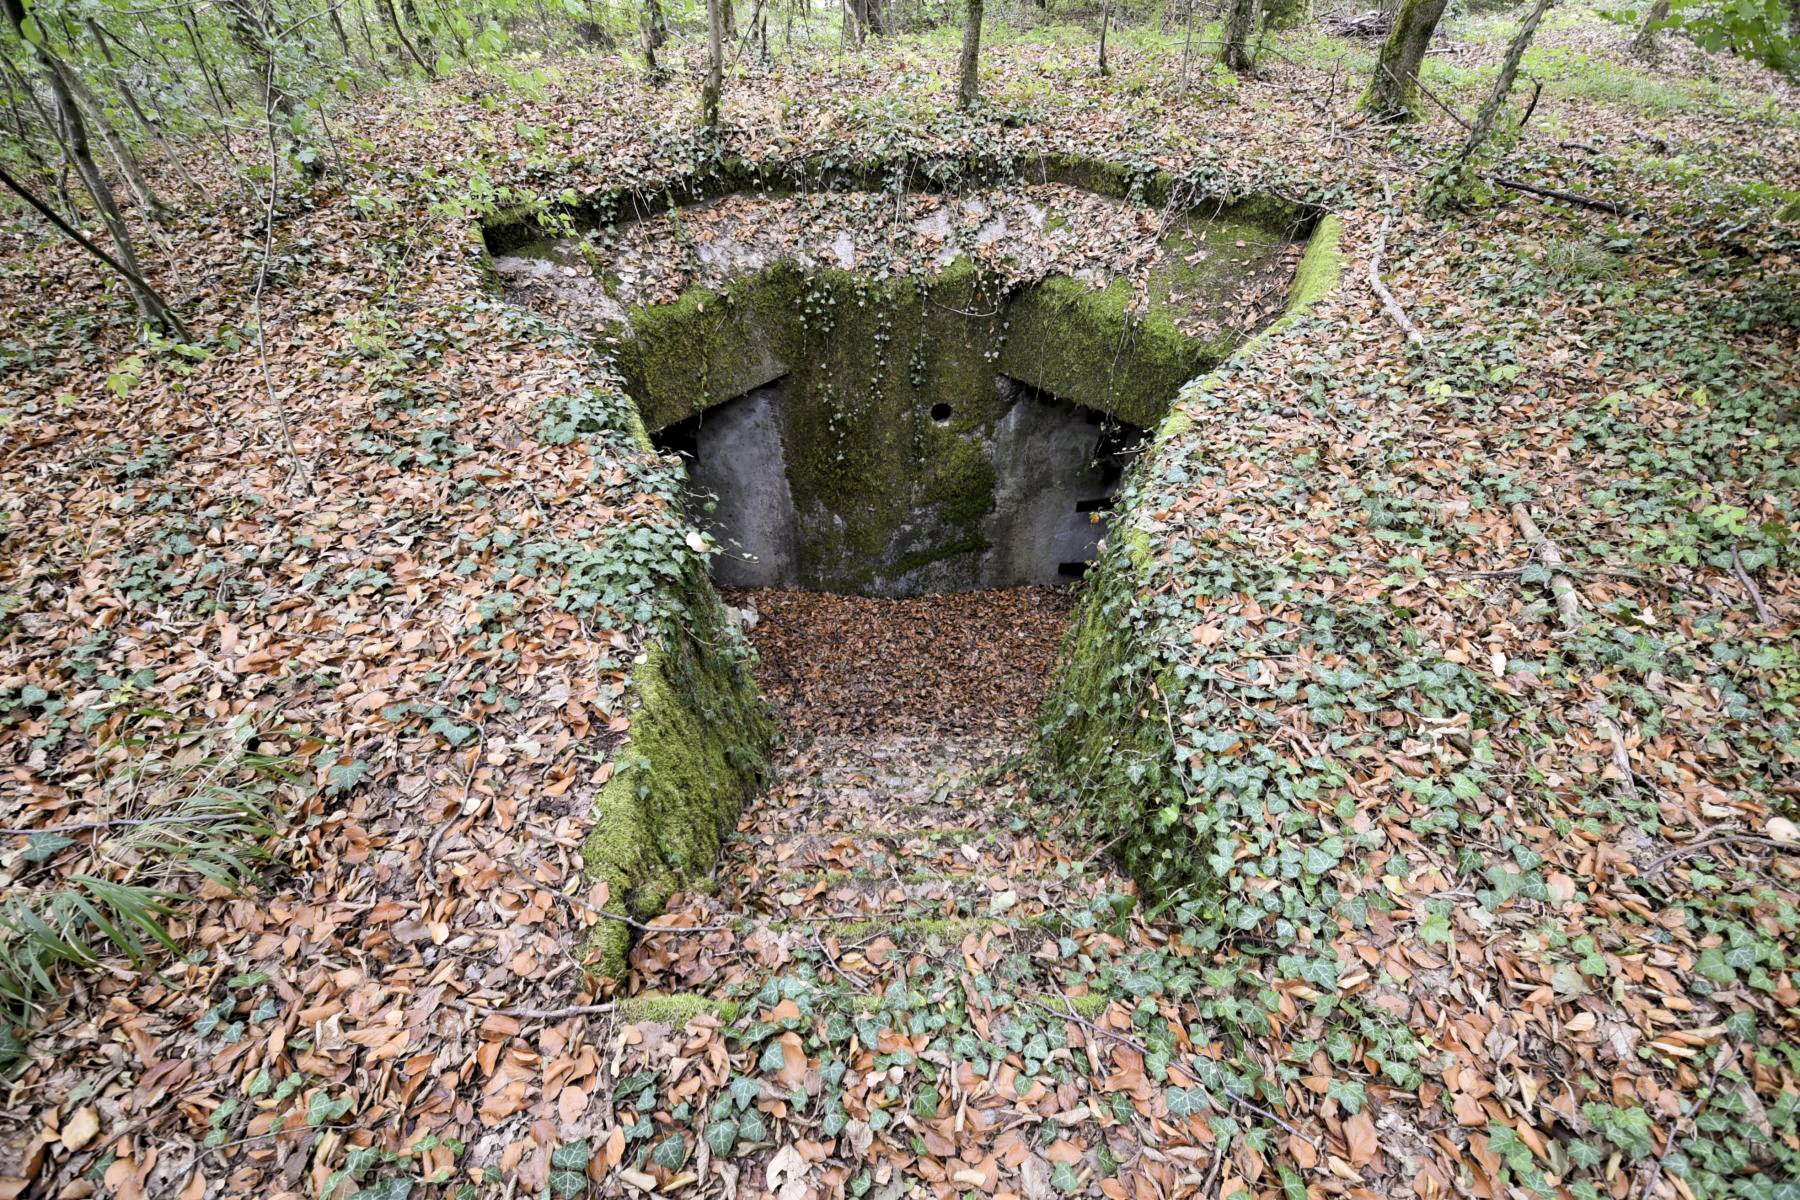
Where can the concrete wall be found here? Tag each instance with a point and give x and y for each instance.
(1049, 466)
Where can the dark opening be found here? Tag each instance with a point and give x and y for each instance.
(940, 413)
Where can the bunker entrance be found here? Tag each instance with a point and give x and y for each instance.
(897, 395)
(1014, 494)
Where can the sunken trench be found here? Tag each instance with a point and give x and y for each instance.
(905, 418)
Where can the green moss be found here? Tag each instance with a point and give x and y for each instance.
(676, 1009)
(700, 349)
(695, 750)
(1321, 268)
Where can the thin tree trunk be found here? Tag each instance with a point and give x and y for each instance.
(715, 68)
(1509, 71)
(252, 33)
(1105, 19)
(412, 15)
(411, 50)
(117, 149)
(1393, 90)
(215, 86)
(337, 27)
(967, 79)
(654, 31)
(75, 148)
(1644, 44)
(160, 312)
(1234, 50)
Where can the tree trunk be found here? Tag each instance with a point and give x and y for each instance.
(1509, 71)
(1644, 44)
(1286, 14)
(655, 30)
(117, 149)
(971, 57)
(1240, 19)
(75, 148)
(252, 33)
(1394, 89)
(715, 68)
(412, 16)
(728, 19)
(1105, 19)
(412, 50)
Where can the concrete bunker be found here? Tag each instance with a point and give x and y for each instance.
(856, 420)
(1051, 468)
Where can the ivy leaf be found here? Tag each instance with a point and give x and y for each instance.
(721, 1136)
(1186, 1102)
(670, 1153)
(744, 1090)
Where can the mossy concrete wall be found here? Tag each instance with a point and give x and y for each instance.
(695, 751)
(888, 499)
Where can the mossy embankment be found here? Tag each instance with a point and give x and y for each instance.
(1108, 724)
(697, 745)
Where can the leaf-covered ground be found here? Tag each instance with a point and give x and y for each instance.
(1499, 901)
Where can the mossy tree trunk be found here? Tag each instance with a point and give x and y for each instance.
(715, 68)
(971, 57)
(1240, 19)
(1509, 71)
(655, 30)
(1286, 14)
(1644, 44)
(1394, 88)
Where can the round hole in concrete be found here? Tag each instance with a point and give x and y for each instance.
(940, 413)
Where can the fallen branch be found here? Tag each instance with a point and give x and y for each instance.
(1756, 597)
(1722, 840)
(1388, 303)
(1576, 198)
(1568, 600)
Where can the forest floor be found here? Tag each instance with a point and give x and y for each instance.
(1503, 898)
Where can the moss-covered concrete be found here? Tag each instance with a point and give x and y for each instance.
(694, 753)
(888, 499)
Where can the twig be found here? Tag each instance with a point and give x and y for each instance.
(1537, 90)
(1652, 1172)
(1568, 600)
(297, 469)
(1576, 198)
(1391, 305)
(538, 1014)
(1433, 97)
(1621, 756)
(1756, 597)
(1175, 1063)
(1721, 840)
